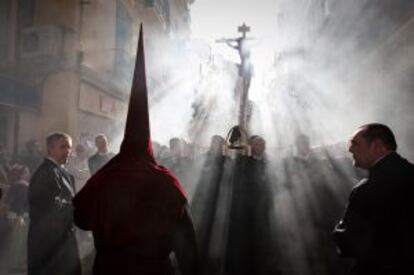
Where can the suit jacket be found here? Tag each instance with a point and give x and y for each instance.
(52, 247)
(376, 229)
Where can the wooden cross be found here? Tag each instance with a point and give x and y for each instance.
(244, 29)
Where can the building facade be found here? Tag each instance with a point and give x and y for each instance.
(67, 65)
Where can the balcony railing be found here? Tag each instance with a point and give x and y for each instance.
(161, 9)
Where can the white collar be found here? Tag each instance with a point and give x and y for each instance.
(379, 159)
(64, 180)
(22, 182)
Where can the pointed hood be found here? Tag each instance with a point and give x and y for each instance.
(127, 176)
(137, 136)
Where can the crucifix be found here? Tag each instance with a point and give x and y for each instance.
(239, 43)
(244, 29)
(245, 72)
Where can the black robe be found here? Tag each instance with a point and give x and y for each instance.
(232, 210)
(312, 206)
(181, 167)
(52, 247)
(250, 244)
(205, 205)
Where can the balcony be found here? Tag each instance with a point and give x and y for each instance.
(17, 93)
(161, 10)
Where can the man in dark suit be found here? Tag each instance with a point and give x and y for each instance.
(376, 229)
(52, 247)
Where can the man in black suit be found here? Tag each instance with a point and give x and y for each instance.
(376, 229)
(52, 247)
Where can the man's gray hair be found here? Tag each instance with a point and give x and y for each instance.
(55, 136)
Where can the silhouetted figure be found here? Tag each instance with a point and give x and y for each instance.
(78, 166)
(376, 229)
(135, 208)
(18, 216)
(251, 242)
(4, 165)
(204, 204)
(232, 210)
(4, 223)
(52, 247)
(19, 185)
(5, 232)
(178, 163)
(306, 218)
(102, 156)
(34, 155)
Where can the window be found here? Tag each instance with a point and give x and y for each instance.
(4, 25)
(123, 37)
(23, 19)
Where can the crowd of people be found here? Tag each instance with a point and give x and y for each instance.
(254, 211)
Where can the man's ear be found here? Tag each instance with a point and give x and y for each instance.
(377, 144)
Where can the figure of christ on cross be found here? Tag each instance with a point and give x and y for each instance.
(245, 69)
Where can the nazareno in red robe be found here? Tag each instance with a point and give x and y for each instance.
(136, 209)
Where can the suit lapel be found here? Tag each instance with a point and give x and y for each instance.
(64, 178)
